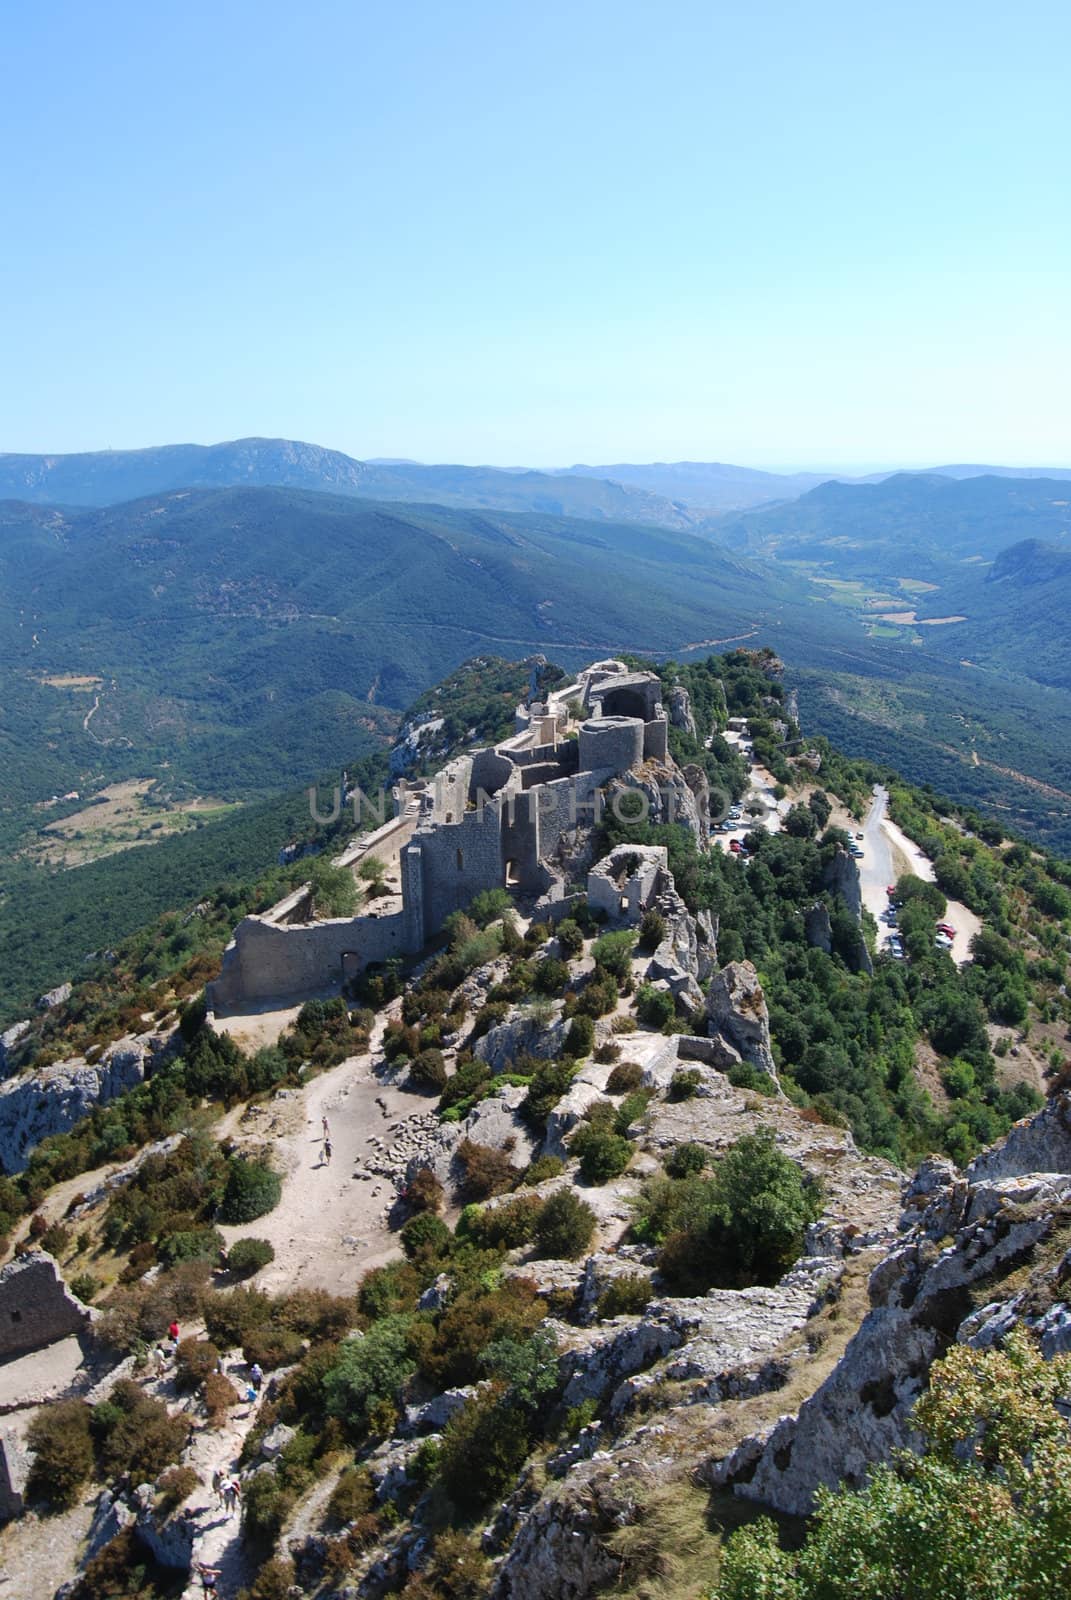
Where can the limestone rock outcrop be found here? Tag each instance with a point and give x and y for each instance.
(736, 1009)
(962, 1236)
(841, 877)
(524, 1032)
(679, 708)
(53, 1099)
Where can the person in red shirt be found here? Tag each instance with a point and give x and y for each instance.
(172, 1332)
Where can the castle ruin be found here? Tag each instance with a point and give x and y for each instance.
(507, 816)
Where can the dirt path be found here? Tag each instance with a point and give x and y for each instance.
(330, 1226)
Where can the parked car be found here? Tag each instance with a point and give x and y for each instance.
(947, 928)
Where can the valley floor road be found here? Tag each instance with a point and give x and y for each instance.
(887, 855)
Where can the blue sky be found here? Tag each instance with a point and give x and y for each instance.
(779, 234)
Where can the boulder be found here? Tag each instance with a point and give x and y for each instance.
(524, 1032)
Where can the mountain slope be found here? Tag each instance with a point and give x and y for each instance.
(196, 617)
(871, 529)
(113, 476)
(711, 485)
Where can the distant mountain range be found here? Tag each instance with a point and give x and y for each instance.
(921, 520)
(682, 494)
(112, 477)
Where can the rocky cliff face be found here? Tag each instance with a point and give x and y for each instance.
(736, 1009)
(679, 709)
(963, 1237)
(53, 1099)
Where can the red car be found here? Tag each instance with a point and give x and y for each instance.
(891, 890)
(946, 927)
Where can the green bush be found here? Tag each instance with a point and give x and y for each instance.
(626, 1076)
(686, 1159)
(266, 1505)
(652, 930)
(603, 1155)
(484, 1447)
(230, 1318)
(550, 976)
(503, 1227)
(247, 1256)
(136, 1434)
(684, 1083)
(580, 1040)
(253, 1189)
(565, 1227)
(570, 937)
(368, 1370)
(194, 1360)
(272, 1346)
(550, 1081)
(655, 1007)
(542, 1168)
(429, 1069)
(85, 1287)
(426, 1236)
(624, 1296)
(62, 1453)
(742, 1225)
(613, 954)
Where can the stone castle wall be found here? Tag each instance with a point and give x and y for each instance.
(36, 1307)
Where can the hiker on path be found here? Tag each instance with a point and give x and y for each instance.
(217, 1485)
(327, 1130)
(172, 1331)
(256, 1373)
(160, 1359)
(209, 1577)
(327, 1152)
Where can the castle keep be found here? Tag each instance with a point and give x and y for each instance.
(506, 816)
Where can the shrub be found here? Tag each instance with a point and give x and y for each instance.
(85, 1287)
(274, 1581)
(684, 1083)
(550, 1081)
(486, 1171)
(484, 1448)
(570, 937)
(425, 1192)
(272, 1347)
(385, 1291)
(743, 1225)
(189, 1244)
(194, 1360)
(219, 1395)
(136, 1434)
(62, 1453)
(580, 1040)
(504, 1227)
(565, 1227)
(247, 1256)
(599, 996)
(429, 1068)
(626, 1076)
(353, 1496)
(744, 1075)
(652, 930)
(253, 1189)
(613, 953)
(544, 1167)
(426, 1236)
(606, 1053)
(550, 976)
(603, 1155)
(368, 1370)
(175, 1486)
(231, 1318)
(655, 1007)
(686, 1159)
(625, 1296)
(266, 1504)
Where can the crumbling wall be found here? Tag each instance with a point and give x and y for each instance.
(36, 1307)
(265, 960)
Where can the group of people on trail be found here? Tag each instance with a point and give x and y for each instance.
(228, 1490)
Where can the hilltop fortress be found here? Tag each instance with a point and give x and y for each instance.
(515, 815)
